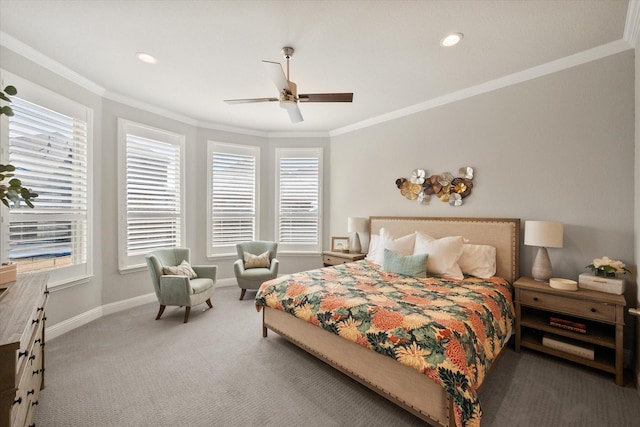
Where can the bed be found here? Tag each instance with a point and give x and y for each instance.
(419, 390)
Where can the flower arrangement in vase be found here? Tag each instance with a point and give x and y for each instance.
(606, 266)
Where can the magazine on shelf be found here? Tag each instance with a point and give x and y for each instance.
(568, 325)
(568, 346)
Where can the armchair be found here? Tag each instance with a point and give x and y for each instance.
(252, 278)
(180, 290)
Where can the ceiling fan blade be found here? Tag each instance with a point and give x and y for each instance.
(326, 97)
(249, 100)
(276, 73)
(294, 113)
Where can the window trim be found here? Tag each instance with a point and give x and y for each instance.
(243, 149)
(34, 93)
(134, 263)
(281, 152)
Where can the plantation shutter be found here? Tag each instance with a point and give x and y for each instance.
(233, 198)
(50, 153)
(299, 200)
(153, 195)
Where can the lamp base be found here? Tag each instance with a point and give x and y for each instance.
(541, 270)
(356, 247)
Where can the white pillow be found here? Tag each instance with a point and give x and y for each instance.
(443, 254)
(374, 241)
(478, 260)
(402, 245)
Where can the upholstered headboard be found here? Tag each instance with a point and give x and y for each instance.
(501, 233)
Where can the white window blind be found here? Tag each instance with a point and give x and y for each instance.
(152, 205)
(299, 199)
(50, 152)
(233, 195)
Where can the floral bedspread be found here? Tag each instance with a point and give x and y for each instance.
(450, 330)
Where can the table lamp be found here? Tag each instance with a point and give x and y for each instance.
(356, 225)
(544, 234)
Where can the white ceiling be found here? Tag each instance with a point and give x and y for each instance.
(386, 52)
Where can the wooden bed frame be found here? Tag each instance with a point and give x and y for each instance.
(398, 383)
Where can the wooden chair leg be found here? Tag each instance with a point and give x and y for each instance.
(244, 291)
(162, 307)
(209, 303)
(187, 310)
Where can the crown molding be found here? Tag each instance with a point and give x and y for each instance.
(632, 23)
(33, 55)
(499, 83)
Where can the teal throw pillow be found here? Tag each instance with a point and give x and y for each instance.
(410, 265)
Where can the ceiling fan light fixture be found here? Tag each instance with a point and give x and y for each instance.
(451, 39)
(146, 58)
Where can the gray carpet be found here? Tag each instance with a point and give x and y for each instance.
(127, 369)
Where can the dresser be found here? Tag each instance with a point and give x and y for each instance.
(22, 324)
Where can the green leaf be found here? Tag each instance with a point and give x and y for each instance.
(6, 110)
(10, 168)
(4, 97)
(4, 200)
(15, 182)
(11, 90)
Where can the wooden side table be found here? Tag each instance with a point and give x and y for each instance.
(335, 258)
(601, 313)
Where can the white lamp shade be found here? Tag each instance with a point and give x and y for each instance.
(357, 225)
(546, 234)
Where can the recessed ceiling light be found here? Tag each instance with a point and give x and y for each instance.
(145, 57)
(451, 40)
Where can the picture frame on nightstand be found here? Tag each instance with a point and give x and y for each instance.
(338, 244)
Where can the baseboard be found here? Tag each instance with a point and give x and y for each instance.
(114, 307)
(222, 283)
(96, 313)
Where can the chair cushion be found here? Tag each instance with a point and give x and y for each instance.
(256, 261)
(257, 274)
(200, 285)
(184, 269)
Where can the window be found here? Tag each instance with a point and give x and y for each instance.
(299, 199)
(151, 188)
(233, 191)
(49, 145)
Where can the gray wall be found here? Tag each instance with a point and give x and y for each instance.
(559, 147)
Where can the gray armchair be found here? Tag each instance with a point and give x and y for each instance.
(252, 278)
(180, 290)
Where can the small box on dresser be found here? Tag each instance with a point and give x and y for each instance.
(22, 325)
(610, 285)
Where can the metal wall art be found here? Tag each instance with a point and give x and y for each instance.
(446, 187)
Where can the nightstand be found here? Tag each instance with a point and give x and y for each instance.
(335, 258)
(595, 321)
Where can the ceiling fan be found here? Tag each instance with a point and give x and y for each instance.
(288, 90)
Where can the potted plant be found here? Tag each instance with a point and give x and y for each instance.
(607, 267)
(14, 191)
(11, 191)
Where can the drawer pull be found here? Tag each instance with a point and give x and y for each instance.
(46, 292)
(32, 391)
(22, 353)
(40, 309)
(535, 298)
(18, 401)
(35, 321)
(32, 357)
(37, 341)
(34, 403)
(593, 310)
(36, 372)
